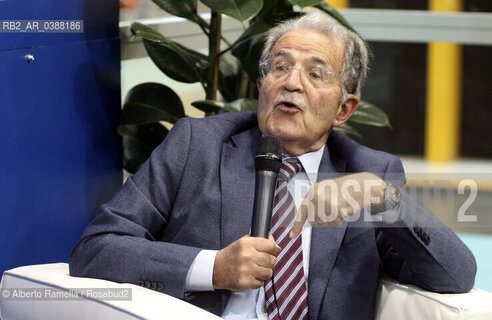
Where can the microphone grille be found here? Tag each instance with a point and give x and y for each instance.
(268, 154)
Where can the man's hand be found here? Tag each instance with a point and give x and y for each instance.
(245, 263)
(329, 203)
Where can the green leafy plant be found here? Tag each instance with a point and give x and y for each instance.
(232, 71)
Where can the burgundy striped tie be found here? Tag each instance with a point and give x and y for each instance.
(286, 292)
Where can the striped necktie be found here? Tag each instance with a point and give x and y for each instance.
(286, 292)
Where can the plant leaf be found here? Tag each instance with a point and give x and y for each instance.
(249, 45)
(151, 103)
(272, 7)
(238, 9)
(182, 8)
(230, 74)
(258, 31)
(347, 129)
(244, 104)
(250, 63)
(138, 143)
(370, 115)
(176, 61)
(305, 3)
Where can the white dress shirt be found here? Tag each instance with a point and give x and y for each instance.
(250, 304)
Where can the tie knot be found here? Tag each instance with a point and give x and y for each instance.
(289, 168)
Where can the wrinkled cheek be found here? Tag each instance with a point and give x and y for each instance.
(263, 110)
(262, 118)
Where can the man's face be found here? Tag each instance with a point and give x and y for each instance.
(291, 107)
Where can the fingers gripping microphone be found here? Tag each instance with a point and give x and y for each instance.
(267, 164)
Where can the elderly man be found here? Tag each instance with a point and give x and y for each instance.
(181, 224)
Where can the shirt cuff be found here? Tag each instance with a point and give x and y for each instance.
(199, 277)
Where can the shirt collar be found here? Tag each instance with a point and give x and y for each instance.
(310, 163)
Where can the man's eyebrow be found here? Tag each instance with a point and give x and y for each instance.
(315, 59)
(318, 60)
(282, 53)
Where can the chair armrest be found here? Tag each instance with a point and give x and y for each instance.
(398, 301)
(141, 303)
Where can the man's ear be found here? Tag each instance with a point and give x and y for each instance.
(346, 110)
(258, 83)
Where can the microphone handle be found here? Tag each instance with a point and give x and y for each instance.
(262, 209)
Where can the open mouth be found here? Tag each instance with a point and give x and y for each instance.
(288, 106)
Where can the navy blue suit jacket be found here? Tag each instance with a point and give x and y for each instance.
(196, 192)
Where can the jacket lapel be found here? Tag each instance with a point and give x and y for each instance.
(325, 242)
(237, 178)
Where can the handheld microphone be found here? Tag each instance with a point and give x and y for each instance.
(267, 164)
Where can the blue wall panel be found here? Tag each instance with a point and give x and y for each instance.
(100, 20)
(60, 154)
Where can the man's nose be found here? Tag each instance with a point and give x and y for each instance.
(292, 81)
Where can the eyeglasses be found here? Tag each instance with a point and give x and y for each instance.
(317, 74)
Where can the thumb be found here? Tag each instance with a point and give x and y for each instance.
(299, 221)
(277, 247)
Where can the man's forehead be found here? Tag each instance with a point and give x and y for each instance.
(313, 45)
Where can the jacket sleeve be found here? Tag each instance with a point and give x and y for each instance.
(119, 243)
(421, 250)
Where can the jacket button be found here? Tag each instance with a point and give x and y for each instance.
(147, 284)
(427, 239)
(153, 285)
(160, 286)
(140, 283)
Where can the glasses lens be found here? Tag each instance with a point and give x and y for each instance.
(280, 68)
(317, 75)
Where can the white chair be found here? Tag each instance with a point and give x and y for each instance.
(144, 303)
(404, 302)
(396, 301)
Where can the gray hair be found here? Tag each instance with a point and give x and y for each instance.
(354, 69)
